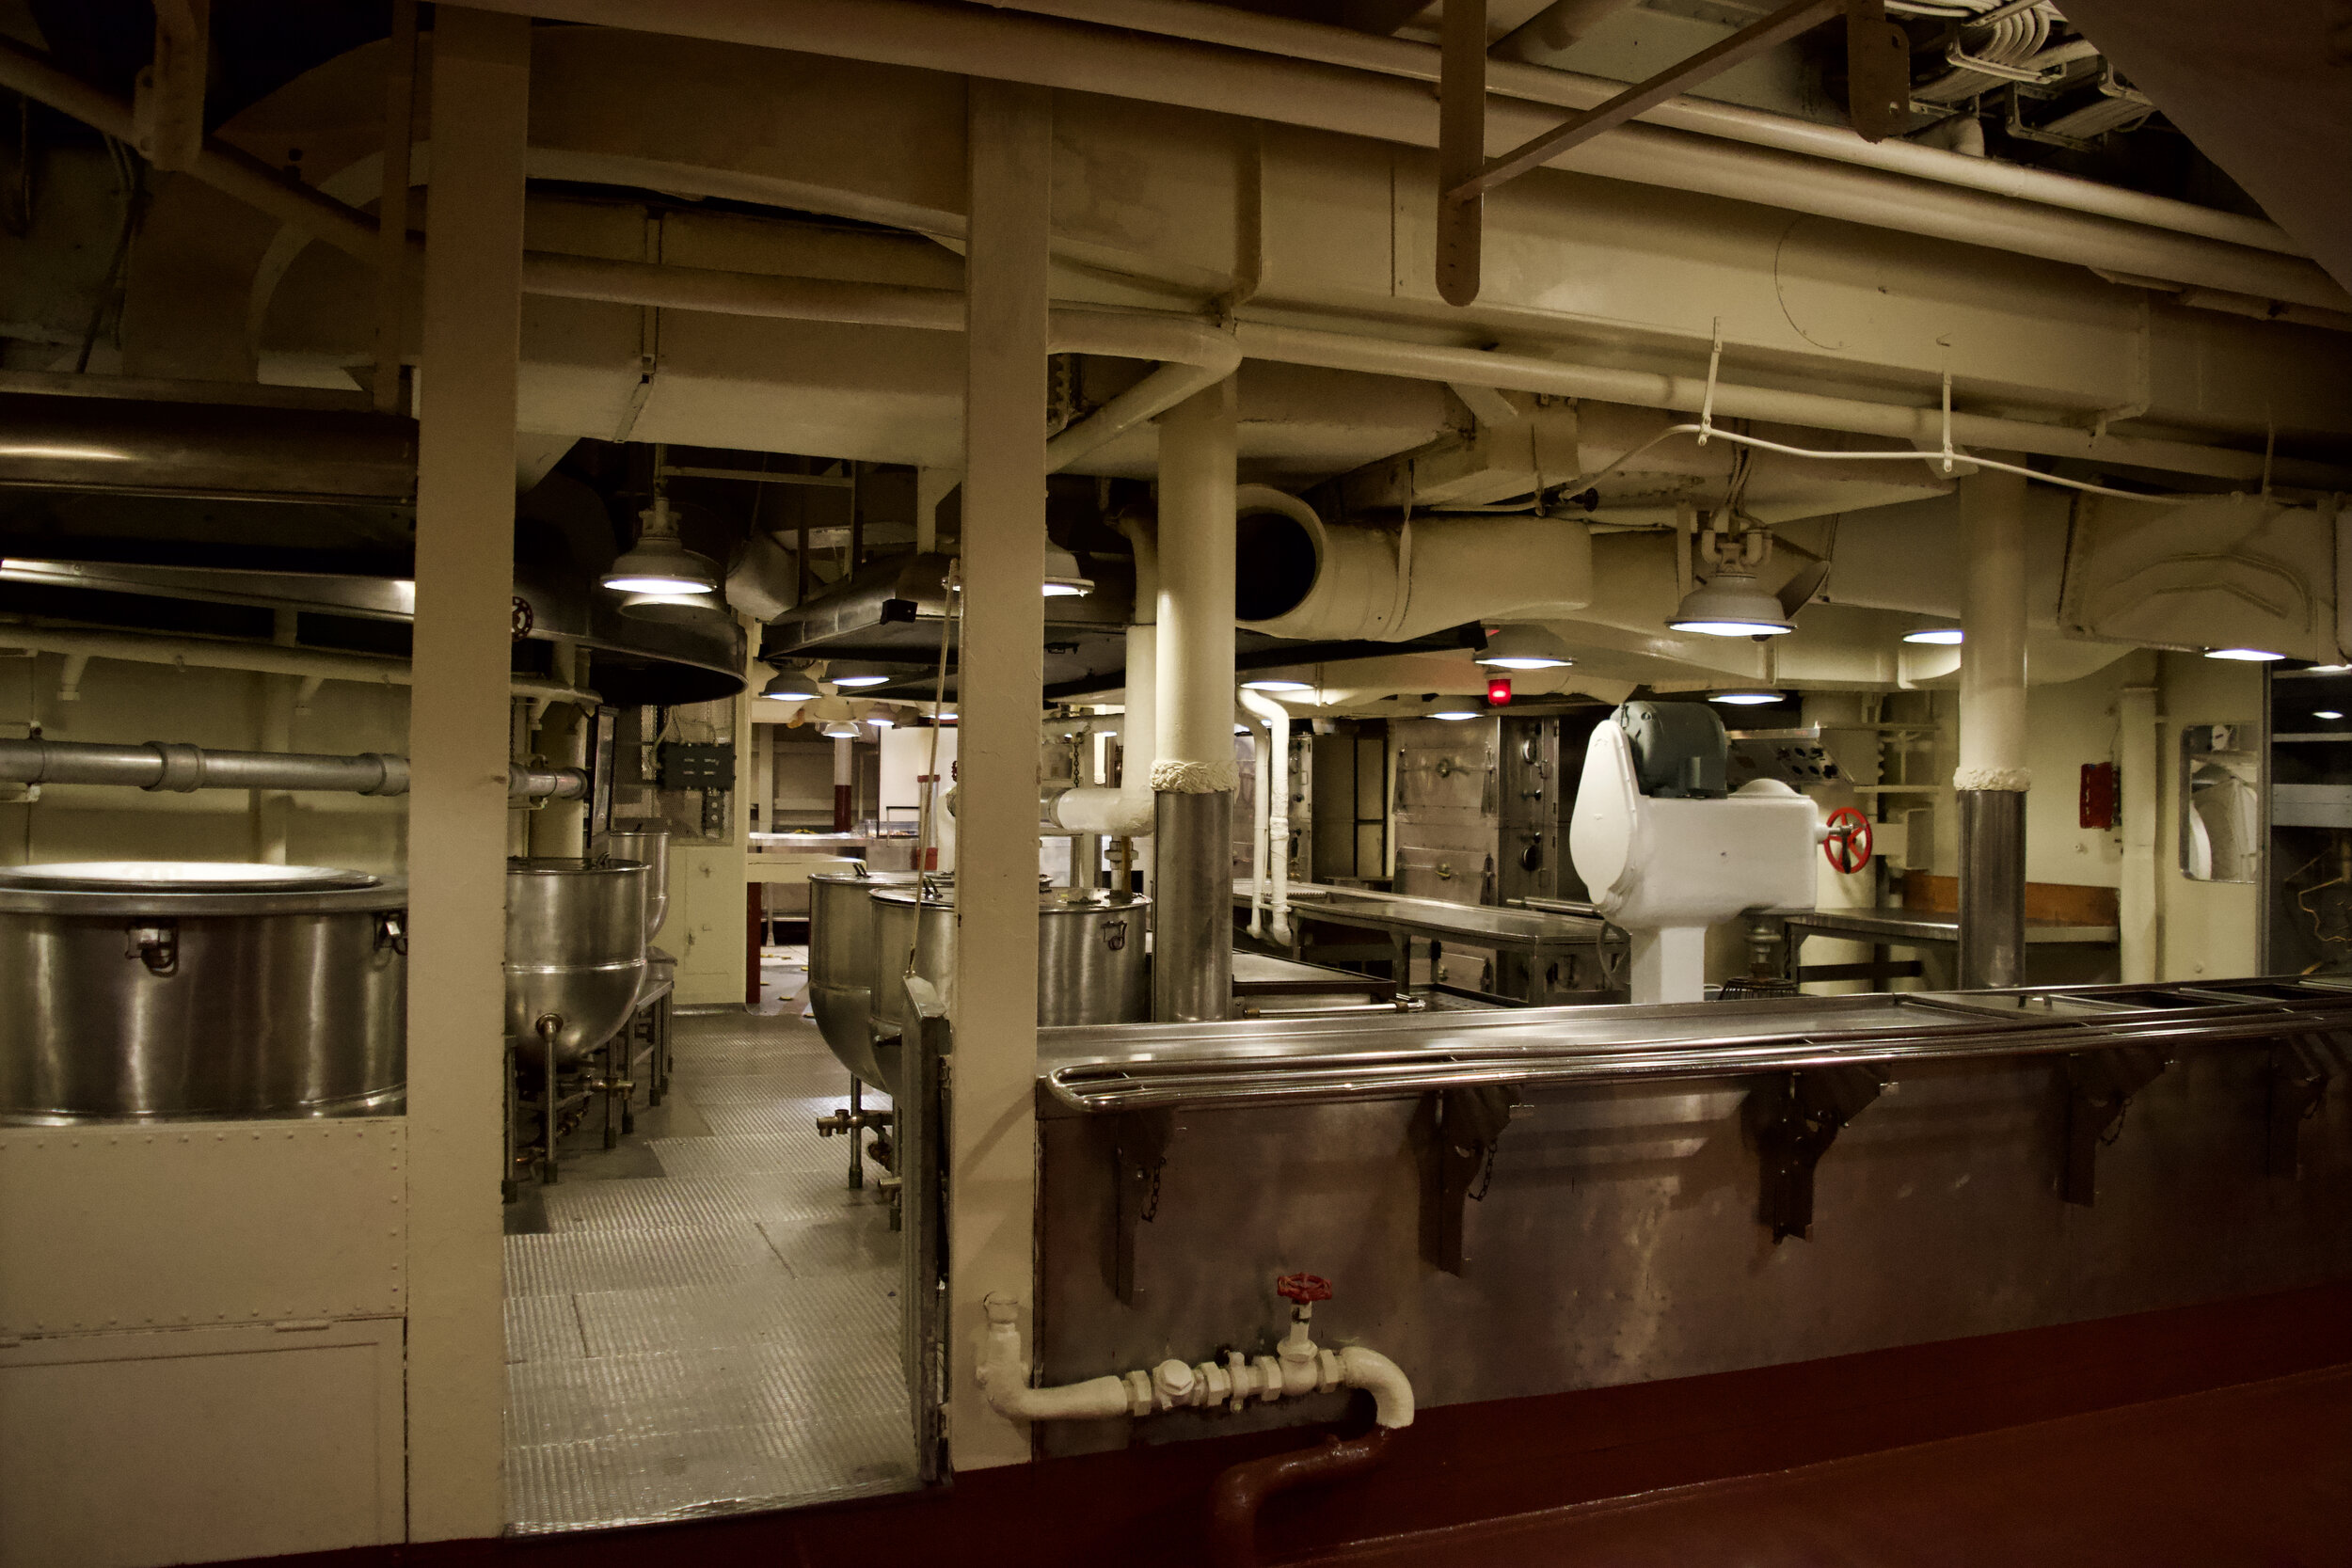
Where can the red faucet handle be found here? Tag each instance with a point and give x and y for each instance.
(1303, 1288)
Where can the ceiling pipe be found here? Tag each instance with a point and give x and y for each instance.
(182, 770)
(969, 40)
(1194, 345)
(1126, 810)
(1527, 372)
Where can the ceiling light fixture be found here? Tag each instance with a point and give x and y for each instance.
(841, 729)
(882, 717)
(1730, 604)
(670, 608)
(854, 675)
(1456, 715)
(1063, 579)
(1525, 648)
(2245, 656)
(1745, 699)
(2327, 713)
(1941, 637)
(791, 687)
(1266, 683)
(660, 564)
(2328, 669)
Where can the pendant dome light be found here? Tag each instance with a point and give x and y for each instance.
(1731, 603)
(1063, 577)
(792, 686)
(659, 565)
(1525, 648)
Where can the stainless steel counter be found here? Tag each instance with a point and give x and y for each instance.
(1541, 935)
(1253, 1062)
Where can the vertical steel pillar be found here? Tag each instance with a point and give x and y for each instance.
(457, 747)
(1992, 778)
(1195, 777)
(1000, 693)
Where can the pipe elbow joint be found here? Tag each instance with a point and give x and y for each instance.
(1392, 1392)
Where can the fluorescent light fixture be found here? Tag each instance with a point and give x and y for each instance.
(1455, 714)
(854, 676)
(1276, 684)
(1063, 580)
(791, 687)
(2327, 713)
(1941, 637)
(2245, 656)
(1525, 648)
(659, 565)
(1730, 604)
(1745, 699)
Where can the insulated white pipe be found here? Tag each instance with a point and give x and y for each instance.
(1126, 811)
(1430, 573)
(1195, 597)
(1527, 372)
(1993, 663)
(1258, 817)
(1274, 808)
(1300, 1368)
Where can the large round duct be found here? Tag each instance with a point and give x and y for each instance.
(1312, 580)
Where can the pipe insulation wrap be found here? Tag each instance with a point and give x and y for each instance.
(1170, 776)
(1387, 585)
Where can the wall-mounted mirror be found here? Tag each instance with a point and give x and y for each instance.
(2220, 791)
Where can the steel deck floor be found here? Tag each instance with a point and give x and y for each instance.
(706, 1319)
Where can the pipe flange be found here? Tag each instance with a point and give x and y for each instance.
(183, 768)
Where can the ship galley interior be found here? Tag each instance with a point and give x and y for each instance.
(1027, 783)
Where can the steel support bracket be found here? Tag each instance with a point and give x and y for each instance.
(1138, 1151)
(1795, 1118)
(2099, 1088)
(2300, 1070)
(1878, 69)
(1466, 1126)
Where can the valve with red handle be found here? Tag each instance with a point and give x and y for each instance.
(1847, 841)
(1303, 1289)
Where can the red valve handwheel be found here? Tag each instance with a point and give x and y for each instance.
(1848, 845)
(1303, 1288)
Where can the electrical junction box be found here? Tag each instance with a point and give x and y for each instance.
(687, 766)
(2098, 803)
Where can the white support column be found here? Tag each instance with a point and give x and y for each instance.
(1000, 692)
(1991, 779)
(1195, 778)
(457, 746)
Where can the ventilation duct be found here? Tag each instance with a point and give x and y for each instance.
(1316, 581)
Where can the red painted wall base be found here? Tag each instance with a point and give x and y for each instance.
(1464, 1464)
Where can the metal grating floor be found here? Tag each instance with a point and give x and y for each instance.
(722, 1336)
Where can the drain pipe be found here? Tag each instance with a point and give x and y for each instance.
(1274, 808)
(1991, 779)
(1195, 777)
